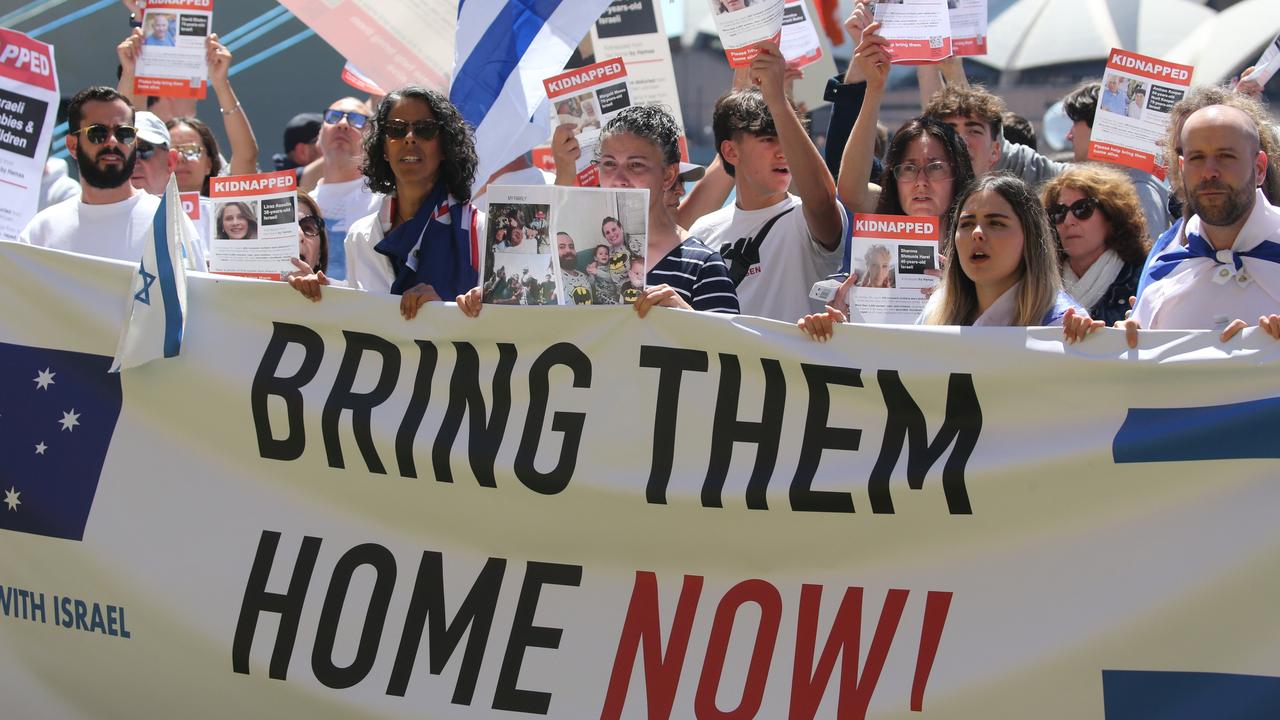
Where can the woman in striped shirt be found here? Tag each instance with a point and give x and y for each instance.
(639, 148)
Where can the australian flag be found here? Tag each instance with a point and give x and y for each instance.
(58, 411)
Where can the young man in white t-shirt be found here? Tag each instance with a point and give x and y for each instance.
(342, 194)
(764, 147)
(111, 217)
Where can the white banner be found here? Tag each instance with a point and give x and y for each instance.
(580, 513)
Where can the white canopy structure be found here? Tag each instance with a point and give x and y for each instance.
(1231, 39)
(1036, 33)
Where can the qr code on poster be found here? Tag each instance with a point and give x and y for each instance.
(935, 42)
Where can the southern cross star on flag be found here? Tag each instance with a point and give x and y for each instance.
(58, 410)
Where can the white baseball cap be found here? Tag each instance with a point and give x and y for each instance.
(151, 128)
(690, 172)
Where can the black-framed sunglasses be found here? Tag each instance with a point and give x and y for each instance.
(936, 170)
(98, 134)
(146, 150)
(422, 129)
(310, 226)
(354, 119)
(1082, 209)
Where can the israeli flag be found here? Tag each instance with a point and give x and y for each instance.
(158, 308)
(503, 50)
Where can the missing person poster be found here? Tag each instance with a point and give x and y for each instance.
(253, 226)
(173, 61)
(918, 31)
(742, 24)
(28, 102)
(548, 245)
(633, 30)
(895, 266)
(1133, 110)
(587, 98)
(800, 44)
(968, 26)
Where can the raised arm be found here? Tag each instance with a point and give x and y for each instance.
(872, 58)
(244, 146)
(809, 176)
(127, 52)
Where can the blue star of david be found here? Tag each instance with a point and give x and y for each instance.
(144, 295)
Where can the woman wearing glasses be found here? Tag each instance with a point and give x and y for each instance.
(1101, 237)
(419, 153)
(313, 241)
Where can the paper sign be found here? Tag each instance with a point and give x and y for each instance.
(28, 102)
(1132, 117)
(968, 26)
(173, 59)
(895, 261)
(800, 44)
(1266, 67)
(253, 226)
(633, 31)
(742, 24)
(587, 98)
(548, 245)
(918, 31)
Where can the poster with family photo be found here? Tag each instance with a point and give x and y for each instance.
(253, 226)
(173, 59)
(1129, 125)
(894, 260)
(594, 251)
(587, 98)
(519, 262)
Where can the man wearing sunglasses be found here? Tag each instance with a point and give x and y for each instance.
(155, 160)
(111, 217)
(341, 193)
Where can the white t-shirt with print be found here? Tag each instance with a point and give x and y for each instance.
(791, 260)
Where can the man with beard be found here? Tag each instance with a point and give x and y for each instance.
(577, 286)
(111, 217)
(1226, 270)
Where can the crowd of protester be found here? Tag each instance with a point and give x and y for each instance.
(386, 200)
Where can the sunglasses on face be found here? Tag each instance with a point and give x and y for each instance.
(422, 129)
(1082, 209)
(354, 119)
(190, 151)
(310, 226)
(98, 134)
(146, 150)
(936, 170)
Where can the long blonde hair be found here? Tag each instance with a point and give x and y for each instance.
(956, 300)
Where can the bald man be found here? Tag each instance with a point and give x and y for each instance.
(1224, 275)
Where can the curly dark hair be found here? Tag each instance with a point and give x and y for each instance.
(95, 93)
(654, 123)
(1117, 200)
(457, 143)
(209, 142)
(742, 111)
(1082, 102)
(957, 154)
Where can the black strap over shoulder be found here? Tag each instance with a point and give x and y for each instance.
(745, 252)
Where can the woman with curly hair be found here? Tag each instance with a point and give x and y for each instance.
(1101, 236)
(420, 153)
